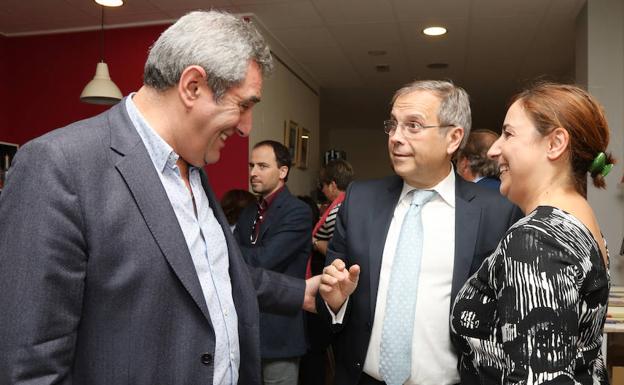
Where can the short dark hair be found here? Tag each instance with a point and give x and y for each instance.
(339, 171)
(282, 155)
(475, 150)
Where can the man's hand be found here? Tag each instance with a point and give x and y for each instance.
(309, 299)
(338, 283)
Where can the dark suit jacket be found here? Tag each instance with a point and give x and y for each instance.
(283, 246)
(97, 285)
(489, 182)
(481, 218)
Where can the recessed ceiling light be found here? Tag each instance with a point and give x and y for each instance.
(434, 31)
(110, 3)
(377, 52)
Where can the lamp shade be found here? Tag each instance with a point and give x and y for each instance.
(101, 90)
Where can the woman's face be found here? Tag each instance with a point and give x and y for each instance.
(521, 153)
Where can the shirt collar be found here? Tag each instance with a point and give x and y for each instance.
(160, 152)
(445, 189)
(266, 202)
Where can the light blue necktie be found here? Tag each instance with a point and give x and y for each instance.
(395, 361)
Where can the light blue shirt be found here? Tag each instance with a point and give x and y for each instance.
(206, 243)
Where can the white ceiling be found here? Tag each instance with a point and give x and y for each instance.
(492, 47)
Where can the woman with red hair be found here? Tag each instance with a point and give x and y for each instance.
(534, 312)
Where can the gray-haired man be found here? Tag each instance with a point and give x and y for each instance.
(117, 264)
(460, 225)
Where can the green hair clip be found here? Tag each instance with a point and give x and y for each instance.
(600, 164)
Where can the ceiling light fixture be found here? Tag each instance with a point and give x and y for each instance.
(434, 31)
(101, 90)
(110, 3)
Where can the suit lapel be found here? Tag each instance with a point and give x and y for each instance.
(136, 168)
(467, 219)
(380, 217)
(268, 220)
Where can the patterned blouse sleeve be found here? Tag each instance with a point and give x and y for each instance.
(538, 283)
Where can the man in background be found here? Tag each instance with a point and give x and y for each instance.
(275, 234)
(334, 178)
(117, 265)
(473, 163)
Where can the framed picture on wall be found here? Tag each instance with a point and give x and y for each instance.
(290, 138)
(7, 152)
(303, 142)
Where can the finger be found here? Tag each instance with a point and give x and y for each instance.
(331, 270)
(325, 289)
(354, 273)
(328, 280)
(338, 264)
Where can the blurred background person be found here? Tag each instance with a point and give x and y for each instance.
(534, 312)
(473, 163)
(275, 235)
(233, 202)
(334, 180)
(317, 364)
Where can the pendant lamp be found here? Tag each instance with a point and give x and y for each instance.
(101, 90)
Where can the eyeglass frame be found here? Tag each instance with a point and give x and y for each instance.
(396, 123)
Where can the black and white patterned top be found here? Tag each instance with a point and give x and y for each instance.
(326, 230)
(534, 311)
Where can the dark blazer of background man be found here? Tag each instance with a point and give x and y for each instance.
(423, 136)
(97, 283)
(275, 235)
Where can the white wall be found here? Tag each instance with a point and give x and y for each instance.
(352, 120)
(286, 96)
(367, 151)
(600, 67)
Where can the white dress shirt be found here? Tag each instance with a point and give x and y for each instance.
(434, 361)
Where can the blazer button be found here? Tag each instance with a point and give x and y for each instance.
(358, 365)
(206, 358)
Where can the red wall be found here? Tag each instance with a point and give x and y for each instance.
(41, 79)
(4, 89)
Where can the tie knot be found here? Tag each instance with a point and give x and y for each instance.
(420, 197)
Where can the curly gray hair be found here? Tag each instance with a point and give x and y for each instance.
(219, 42)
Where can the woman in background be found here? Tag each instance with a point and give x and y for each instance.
(534, 312)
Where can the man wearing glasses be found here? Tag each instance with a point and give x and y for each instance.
(275, 235)
(416, 237)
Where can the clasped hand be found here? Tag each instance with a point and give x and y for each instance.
(338, 283)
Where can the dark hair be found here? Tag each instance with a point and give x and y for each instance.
(551, 105)
(475, 150)
(234, 201)
(282, 155)
(339, 171)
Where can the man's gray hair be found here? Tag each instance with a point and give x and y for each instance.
(222, 44)
(454, 102)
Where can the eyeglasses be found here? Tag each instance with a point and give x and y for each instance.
(411, 128)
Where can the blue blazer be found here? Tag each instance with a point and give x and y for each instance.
(283, 245)
(97, 285)
(481, 218)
